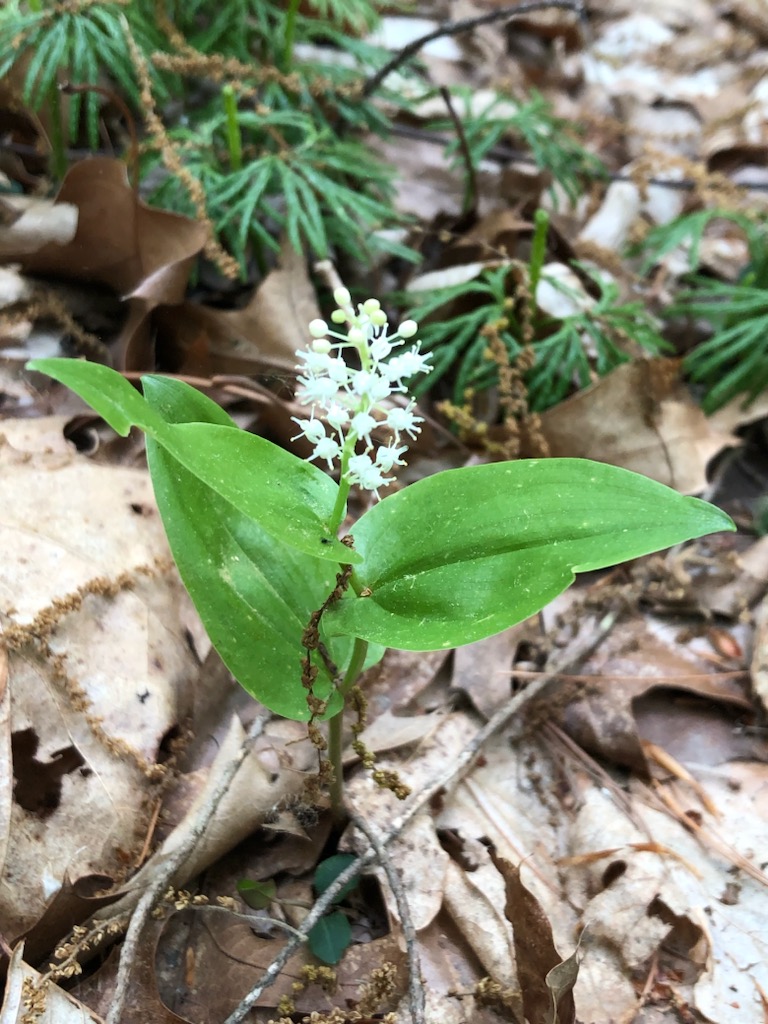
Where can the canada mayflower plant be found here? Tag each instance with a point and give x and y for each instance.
(445, 561)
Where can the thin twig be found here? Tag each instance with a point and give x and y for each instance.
(159, 884)
(568, 660)
(469, 203)
(454, 28)
(415, 981)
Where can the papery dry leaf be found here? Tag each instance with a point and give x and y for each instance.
(261, 336)
(631, 905)
(272, 773)
(39, 222)
(389, 732)
(475, 901)
(641, 418)
(28, 998)
(13, 287)
(642, 684)
(609, 227)
(483, 670)
(140, 252)
(511, 799)
(535, 951)
(227, 957)
(91, 706)
(145, 1004)
(422, 864)
(70, 906)
(120, 241)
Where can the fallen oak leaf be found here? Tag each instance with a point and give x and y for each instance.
(547, 996)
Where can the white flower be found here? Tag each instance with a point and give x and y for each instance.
(363, 471)
(389, 456)
(318, 390)
(327, 449)
(352, 401)
(362, 424)
(337, 416)
(402, 421)
(407, 365)
(313, 430)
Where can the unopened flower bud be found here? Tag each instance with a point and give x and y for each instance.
(371, 305)
(338, 316)
(378, 318)
(342, 297)
(318, 328)
(408, 328)
(355, 336)
(322, 346)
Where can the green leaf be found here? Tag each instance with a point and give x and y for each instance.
(257, 895)
(328, 871)
(291, 500)
(254, 595)
(466, 553)
(330, 937)
(108, 392)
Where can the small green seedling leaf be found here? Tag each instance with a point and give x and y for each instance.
(258, 895)
(290, 499)
(330, 937)
(466, 553)
(328, 871)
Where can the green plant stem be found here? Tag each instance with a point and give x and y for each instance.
(234, 138)
(36, 6)
(290, 32)
(341, 503)
(335, 729)
(58, 154)
(538, 250)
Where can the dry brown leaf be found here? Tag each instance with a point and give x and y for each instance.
(643, 898)
(28, 998)
(644, 683)
(120, 241)
(641, 418)
(389, 732)
(142, 253)
(263, 335)
(87, 721)
(535, 950)
(272, 773)
(483, 670)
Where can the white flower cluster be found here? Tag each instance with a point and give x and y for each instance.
(352, 401)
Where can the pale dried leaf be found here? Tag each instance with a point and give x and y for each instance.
(49, 1004)
(89, 719)
(638, 419)
(42, 222)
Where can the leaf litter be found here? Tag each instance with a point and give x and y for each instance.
(602, 856)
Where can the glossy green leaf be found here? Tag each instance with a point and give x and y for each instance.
(330, 937)
(257, 895)
(291, 500)
(328, 871)
(254, 595)
(466, 553)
